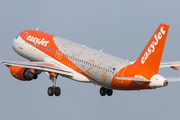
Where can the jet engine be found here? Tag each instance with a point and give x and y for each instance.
(22, 73)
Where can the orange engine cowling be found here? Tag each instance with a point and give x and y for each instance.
(23, 74)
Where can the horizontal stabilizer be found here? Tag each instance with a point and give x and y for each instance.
(170, 64)
(138, 80)
(172, 79)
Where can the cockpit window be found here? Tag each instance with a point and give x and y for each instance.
(17, 36)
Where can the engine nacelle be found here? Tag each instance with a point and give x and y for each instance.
(23, 74)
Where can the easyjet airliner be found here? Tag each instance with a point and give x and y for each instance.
(57, 56)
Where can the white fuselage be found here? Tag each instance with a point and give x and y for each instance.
(99, 66)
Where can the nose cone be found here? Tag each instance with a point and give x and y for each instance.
(158, 81)
(14, 43)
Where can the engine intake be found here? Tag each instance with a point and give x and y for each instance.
(28, 75)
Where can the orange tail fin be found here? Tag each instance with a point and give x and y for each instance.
(152, 53)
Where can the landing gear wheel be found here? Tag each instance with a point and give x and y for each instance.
(109, 92)
(50, 91)
(103, 91)
(57, 91)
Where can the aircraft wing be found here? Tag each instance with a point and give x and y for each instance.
(43, 66)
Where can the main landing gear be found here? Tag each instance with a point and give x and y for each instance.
(53, 90)
(103, 91)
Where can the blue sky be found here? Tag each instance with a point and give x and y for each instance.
(120, 28)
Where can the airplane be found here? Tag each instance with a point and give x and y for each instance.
(56, 56)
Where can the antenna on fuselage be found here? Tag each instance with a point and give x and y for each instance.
(37, 28)
(101, 51)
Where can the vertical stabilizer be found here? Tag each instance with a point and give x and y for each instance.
(151, 56)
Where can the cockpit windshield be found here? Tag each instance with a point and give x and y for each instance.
(17, 36)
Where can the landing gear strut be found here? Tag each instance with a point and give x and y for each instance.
(53, 90)
(104, 91)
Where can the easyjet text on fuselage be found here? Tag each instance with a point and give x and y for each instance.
(36, 40)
